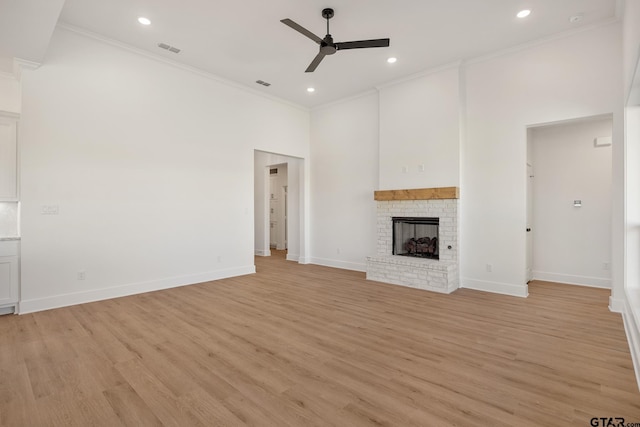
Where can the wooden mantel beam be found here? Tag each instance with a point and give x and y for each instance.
(418, 194)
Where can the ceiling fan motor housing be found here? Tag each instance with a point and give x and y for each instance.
(327, 46)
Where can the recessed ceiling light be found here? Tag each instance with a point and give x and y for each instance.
(523, 13)
(311, 89)
(144, 21)
(392, 60)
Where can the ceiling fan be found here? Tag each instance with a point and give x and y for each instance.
(327, 46)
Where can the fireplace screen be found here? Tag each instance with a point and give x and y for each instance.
(416, 237)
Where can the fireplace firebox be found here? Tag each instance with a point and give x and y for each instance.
(416, 237)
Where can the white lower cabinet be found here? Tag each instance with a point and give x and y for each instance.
(9, 281)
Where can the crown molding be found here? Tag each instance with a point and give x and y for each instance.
(427, 72)
(9, 114)
(367, 92)
(175, 64)
(20, 65)
(540, 41)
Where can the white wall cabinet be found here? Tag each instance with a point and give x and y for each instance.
(8, 159)
(8, 273)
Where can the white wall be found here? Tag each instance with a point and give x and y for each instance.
(633, 203)
(151, 167)
(552, 81)
(631, 61)
(9, 212)
(420, 129)
(485, 109)
(631, 57)
(344, 175)
(572, 244)
(630, 42)
(10, 99)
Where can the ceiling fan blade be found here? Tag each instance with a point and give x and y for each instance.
(299, 28)
(314, 64)
(363, 44)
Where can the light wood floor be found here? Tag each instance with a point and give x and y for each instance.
(312, 346)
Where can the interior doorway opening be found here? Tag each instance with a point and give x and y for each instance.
(279, 205)
(569, 202)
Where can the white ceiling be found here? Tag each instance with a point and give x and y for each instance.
(26, 27)
(244, 41)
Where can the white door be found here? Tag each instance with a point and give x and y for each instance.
(286, 213)
(529, 231)
(273, 211)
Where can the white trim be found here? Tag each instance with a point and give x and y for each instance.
(175, 64)
(344, 265)
(22, 64)
(8, 309)
(428, 72)
(8, 76)
(260, 252)
(541, 41)
(571, 121)
(367, 92)
(10, 115)
(495, 287)
(26, 64)
(633, 338)
(616, 305)
(64, 300)
(569, 279)
(295, 258)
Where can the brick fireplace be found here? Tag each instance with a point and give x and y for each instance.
(439, 275)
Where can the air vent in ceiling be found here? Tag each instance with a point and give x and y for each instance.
(263, 83)
(168, 47)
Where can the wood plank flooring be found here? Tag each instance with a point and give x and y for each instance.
(298, 345)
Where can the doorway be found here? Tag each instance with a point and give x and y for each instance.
(569, 204)
(279, 205)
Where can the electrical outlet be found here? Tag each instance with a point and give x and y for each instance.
(338, 251)
(606, 266)
(489, 268)
(219, 258)
(82, 275)
(420, 168)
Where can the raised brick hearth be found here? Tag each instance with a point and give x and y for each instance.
(433, 275)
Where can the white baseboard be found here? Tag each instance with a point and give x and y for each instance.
(594, 282)
(496, 287)
(633, 337)
(293, 257)
(8, 310)
(64, 300)
(616, 305)
(262, 252)
(345, 265)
